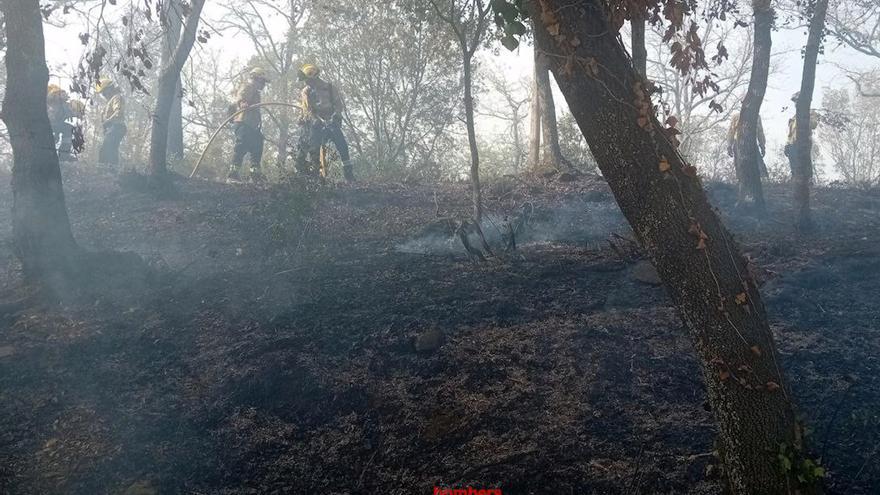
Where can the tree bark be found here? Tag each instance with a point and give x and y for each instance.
(802, 161)
(472, 135)
(169, 78)
(747, 155)
(696, 257)
(42, 236)
(637, 41)
(551, 153)
(535, 124)
(173, 24)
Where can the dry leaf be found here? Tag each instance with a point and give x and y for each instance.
(553, 29)
(756, 350)
(724, 375)
(771, 386)
(741, 298)
(664, 165)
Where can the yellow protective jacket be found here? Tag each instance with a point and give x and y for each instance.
(792, 126)
(248, 94)
(114, 111)
(733, 132)
(321, 100)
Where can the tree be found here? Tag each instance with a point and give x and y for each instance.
(469, 22)
(747, 154)
(169, 79)
(277, 52)
(801, 153)
(398, 68)
(172, 18)
(514, 98)
(41, 228)
(853, 141)
(695, 256)
(551, 153)
(857, 24)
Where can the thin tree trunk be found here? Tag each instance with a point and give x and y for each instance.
(695, 256)
(637, 40)
(472, 137)
(802, 163)
(535, 124)
(747, 155)
(168, 80)
(551, 152)
(173, 24)
(42, 236)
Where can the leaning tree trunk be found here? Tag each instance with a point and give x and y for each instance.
(747, 155)
(637, 42)
(41, 231)
(534, 124)
(696, 257)
(472, 136)
(173, 24)
(167, 87)
(551, 152)
(802, 163)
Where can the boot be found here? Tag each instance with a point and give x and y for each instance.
(233, 177)
(257, 176)
(346, 171)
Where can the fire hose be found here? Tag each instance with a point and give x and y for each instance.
(229, 119)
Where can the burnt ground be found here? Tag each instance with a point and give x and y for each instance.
(307, 340)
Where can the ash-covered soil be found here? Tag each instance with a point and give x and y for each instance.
(299, 339)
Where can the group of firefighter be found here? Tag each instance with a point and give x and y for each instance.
(735, 129)
(321, 120)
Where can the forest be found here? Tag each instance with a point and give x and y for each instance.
(451, 247)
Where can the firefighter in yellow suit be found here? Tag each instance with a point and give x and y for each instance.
(113, 121)
(248, 126)
(61, 109)
(733, 136)
(323, 107)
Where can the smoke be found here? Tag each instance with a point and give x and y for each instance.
(574, 222)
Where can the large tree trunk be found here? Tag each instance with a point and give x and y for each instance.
(534, 124)
(472, 137)
(551, 153)
(41, 229)
(172, 17)
(637, 41)
(802, 161)
(747, 155)
(167, 87)
(696, 257)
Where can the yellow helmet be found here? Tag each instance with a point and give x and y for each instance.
(55, 93)
(258, 73)
(104, 84)
(309, 70)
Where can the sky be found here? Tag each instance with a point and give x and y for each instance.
(64, 48)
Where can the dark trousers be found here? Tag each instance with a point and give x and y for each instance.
(63, 132)
(248, 140)
(109, 152)
(315, 135)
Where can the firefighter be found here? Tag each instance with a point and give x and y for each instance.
(792, 130)
(113, 121)
(247, 126)
(322, 108)
(61, 108)
(733, 136)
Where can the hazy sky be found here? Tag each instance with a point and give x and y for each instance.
(64, 48)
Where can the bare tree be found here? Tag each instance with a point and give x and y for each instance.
(696, 257)
(469, 21)
(853, 142)
(277, 51)
(515, 97)
(169, 79)
(41, 228)
(747, 156)
(801, 153)
(857, 24)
